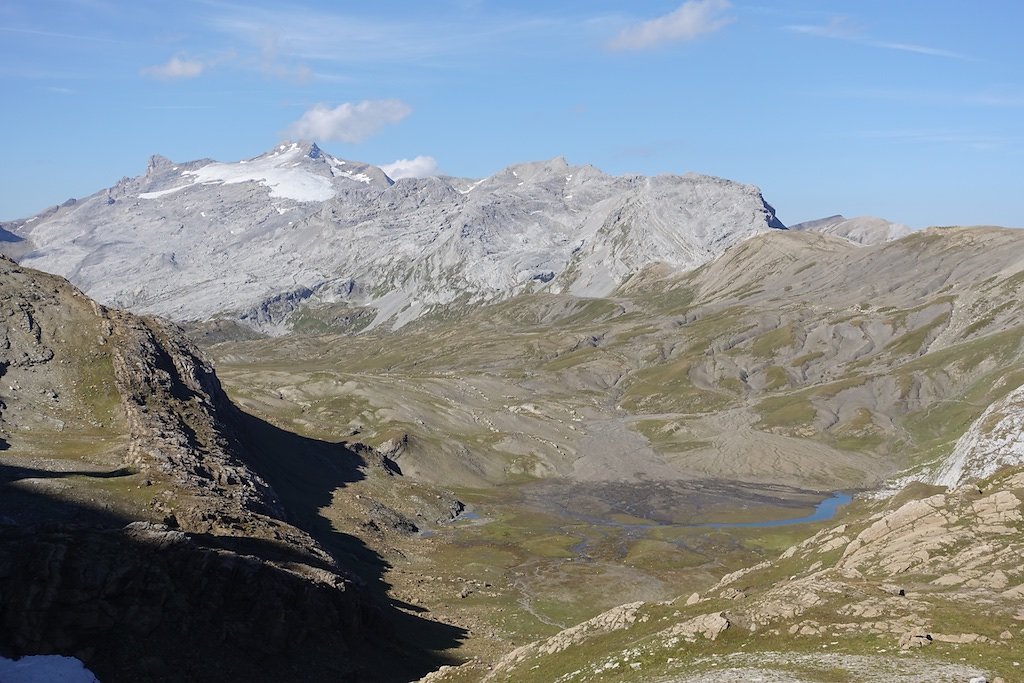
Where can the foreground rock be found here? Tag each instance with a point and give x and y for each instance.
(938, 574)
(139, 530)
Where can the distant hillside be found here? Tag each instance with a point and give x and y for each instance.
(861, 230)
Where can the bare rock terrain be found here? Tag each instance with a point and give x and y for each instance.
(260, 240)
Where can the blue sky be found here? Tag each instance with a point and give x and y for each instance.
(909, 110)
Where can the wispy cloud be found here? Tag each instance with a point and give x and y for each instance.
(419, 167)
(838, 27)
(690, 20)
(176, 68)
(842, 28)
(348, 122)
(272, 67)
(61, 36)
(301, 36)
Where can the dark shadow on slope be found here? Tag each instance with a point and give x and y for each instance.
(143, 602)
(3, 444)
(146, 603)
(304, 473)
(9, 473)
(22, 504)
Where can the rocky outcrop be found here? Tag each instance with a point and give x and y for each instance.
(994, 440)
(180, 423)
(613, 620)
(708, 626)
(107, 418)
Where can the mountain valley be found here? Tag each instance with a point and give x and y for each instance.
(550, 425)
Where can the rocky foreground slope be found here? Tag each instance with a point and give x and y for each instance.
(926, 586)
(260, 238)
(139, 528)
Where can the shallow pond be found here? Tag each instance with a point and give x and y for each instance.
(823, 511)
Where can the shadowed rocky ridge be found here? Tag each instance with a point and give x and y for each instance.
(140, 516)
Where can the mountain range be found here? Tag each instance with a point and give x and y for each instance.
(257, 239)
(532, 425)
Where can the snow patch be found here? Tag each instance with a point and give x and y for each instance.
(278, 171)
(472, 187)
(45, 669)
(162, 193)
(361, 177)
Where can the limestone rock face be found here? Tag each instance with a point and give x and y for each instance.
(261, 238)
(994, 440)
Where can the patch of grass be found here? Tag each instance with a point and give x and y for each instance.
(732, 385)
(912, 342)
(668, 388)
(899, 317)
(770, 343)
(667, 436)
(806, 358)
(668, 301)
(859, 442)
(833, 389)
(935, 428)
(785, 411)
(776, 377)
(987, 319)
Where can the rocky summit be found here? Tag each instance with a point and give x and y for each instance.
(258, 239)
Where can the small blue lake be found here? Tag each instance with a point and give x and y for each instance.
(823, 511)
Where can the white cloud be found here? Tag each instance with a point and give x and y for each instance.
(420, 167)
(348, 122)
(693, 18)
(175, 68)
